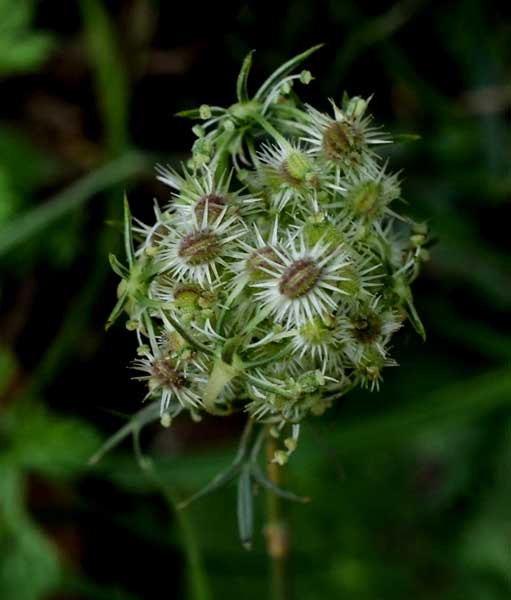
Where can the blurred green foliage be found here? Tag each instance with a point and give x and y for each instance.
(22, 48)
(411, 487)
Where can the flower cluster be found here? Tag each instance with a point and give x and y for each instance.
(273, 279)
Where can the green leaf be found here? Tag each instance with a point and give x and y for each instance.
(29, 565)
(44, 442)
(241, 84)
(245, 507)
(284, 70)
(21, 47)
(24, 55)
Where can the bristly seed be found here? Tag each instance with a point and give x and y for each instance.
(199, 247)
(299, 278)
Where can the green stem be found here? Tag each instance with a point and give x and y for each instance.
(196, 576)
(267, 359)
(197, 580)
(188, 336)
(253, 153)
(270, 129)
(277, 538)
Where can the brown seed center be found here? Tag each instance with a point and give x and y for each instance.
(166, 374)
(199, 247)
(367, 329)
(215, 205)
(158, 234)
(259, 258)
(338, 140)
(299, 278)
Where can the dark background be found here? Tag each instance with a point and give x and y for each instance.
(411, 486)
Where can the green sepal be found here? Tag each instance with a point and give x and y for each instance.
(241, 83)
(129, 246)
(284, 70)
(345, 100)
(195, 113)
(414, 318)
(117, 267)
(117, 309)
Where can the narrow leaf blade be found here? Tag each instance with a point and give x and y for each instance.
(284, 70)
(143, 417)
(241, 84)
(245, 508)
(117, 310)
(217, 482)
(261, 478)
(128, 234)
(117, 267)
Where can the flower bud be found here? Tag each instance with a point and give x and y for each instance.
(205, 112)
(356, 107)
(280, 457)
(295, 168)
(364, 199)
(306, 77)
(166, 420)
(322, 231)
(199, 131)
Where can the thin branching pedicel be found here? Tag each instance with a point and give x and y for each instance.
(273, 280)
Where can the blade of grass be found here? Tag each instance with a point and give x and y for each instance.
(110, 73)
(20, 229)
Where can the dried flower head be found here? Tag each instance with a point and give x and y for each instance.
(276, 276)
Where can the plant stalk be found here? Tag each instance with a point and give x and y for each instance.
(197, 584)
(276, 530)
